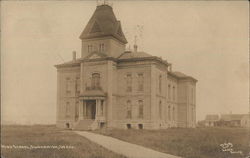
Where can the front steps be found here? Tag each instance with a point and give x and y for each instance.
(85, 124)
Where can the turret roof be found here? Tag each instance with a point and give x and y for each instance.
(103, 23)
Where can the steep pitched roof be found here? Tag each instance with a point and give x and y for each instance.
(103, 23)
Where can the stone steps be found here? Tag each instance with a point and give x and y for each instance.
(84, 124)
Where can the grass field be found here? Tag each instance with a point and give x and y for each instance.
(49, 135)
(189, 143)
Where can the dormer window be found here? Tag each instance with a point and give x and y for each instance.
(101, 47)
(90, 47)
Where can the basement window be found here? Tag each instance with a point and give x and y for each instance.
(67, 125)
(128, 126)
(102, 125)
(140, 126)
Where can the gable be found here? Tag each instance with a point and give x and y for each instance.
(95, 56)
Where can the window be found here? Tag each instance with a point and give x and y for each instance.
(102, 124)
(140, 126)
(77, 111)
(140, 102)
(77, 88)
(173, 114)
(90, 48)
(129, 110)
(169, 113)
(140, 82)
(68, 85)
(174, 93)
(160, 80)
(160, 110)
(101, 47)
(128, 126)
(67, 125)
(67, 109)
(169, 91)
(95, 82)
(129, 83)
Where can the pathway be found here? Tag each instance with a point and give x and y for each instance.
(124, 148)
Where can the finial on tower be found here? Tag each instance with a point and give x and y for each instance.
(103, 2)
(135, 45)
(74, 55)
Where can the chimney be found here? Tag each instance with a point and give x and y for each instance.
(135, 48)
(74, 55)
(135, 45)
(170, 67)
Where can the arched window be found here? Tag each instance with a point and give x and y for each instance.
(77, 88)
(169, 113)
(129, 82)
(140, 102)
(173, 113)
(140, 81)
(160, 80)
(95, 82)
(129, 110)
(67, 85)
(160, 110)
(169, 91)
(173, 93)
(77, 111)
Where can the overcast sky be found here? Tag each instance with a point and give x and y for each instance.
(207, 40)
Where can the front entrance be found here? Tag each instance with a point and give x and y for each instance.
(90, 109)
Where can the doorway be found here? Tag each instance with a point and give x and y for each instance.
(90, 109)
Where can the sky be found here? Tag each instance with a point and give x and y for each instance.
(204, 39)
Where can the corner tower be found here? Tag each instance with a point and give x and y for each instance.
(103, 33)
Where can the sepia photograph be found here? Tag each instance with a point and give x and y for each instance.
(124, 79)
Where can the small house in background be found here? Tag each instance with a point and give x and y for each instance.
(232, 120)
(226, 120)
(245, 121)
(211, 120)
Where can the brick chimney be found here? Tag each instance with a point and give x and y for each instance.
(170, 67)
(135, 48)
(74, 55)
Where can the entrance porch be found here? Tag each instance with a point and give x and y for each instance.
(92, 113)
(92, 109)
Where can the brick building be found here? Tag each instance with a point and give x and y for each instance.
(111, 87)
